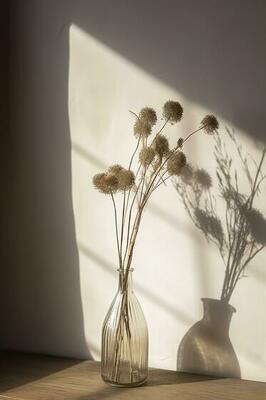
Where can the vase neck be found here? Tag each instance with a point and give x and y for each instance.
(125, 281)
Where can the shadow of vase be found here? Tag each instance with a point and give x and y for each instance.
(206, 347)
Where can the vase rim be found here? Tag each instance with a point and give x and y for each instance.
(219, 301)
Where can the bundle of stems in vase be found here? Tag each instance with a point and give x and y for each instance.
(151, 164)
(238, 230)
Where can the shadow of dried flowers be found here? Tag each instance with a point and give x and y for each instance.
(239, 237)
(243, 234)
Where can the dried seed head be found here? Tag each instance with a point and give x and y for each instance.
(126, 179)
(148, 115)
(176, 163)
(210, 124)
(111, 182)
(157, 163)
(180, 143)
(146, 156)
(172, 111)
(142, 128)
(161, 145)
(203, 179)
(98, 182)
(115, 169)
(105, 183)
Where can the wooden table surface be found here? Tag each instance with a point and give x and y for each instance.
(37, 377)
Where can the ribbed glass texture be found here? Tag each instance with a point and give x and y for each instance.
(125, 339)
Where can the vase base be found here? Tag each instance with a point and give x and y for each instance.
(125, 385)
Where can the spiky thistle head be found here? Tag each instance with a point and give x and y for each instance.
(148, 115)
(146, 156)
(125, 177)
(176, 163)
(210, 124)
(106, 183)
(142, 128)
(161, 145)
(172, 111)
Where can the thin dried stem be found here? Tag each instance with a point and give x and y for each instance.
(116, 230)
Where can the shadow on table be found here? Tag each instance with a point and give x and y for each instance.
(17, 369)
(157, 377)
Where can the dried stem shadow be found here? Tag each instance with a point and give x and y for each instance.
(206, 347)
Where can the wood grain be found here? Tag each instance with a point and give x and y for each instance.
(33, 377)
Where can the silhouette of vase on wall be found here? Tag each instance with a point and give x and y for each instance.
(206, 347)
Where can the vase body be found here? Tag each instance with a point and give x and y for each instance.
(206, 348)
(124, 360)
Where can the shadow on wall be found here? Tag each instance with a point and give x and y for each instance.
(212, 53)
(206, 348)
(238, 236)
(43, 300)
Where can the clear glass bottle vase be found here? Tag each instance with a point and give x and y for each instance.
(124, 360)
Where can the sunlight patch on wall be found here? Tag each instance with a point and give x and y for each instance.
(172, 260)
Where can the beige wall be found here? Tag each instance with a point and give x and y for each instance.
(77, 67)
(174, 265)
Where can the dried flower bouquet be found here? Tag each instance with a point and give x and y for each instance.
(156, 164)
